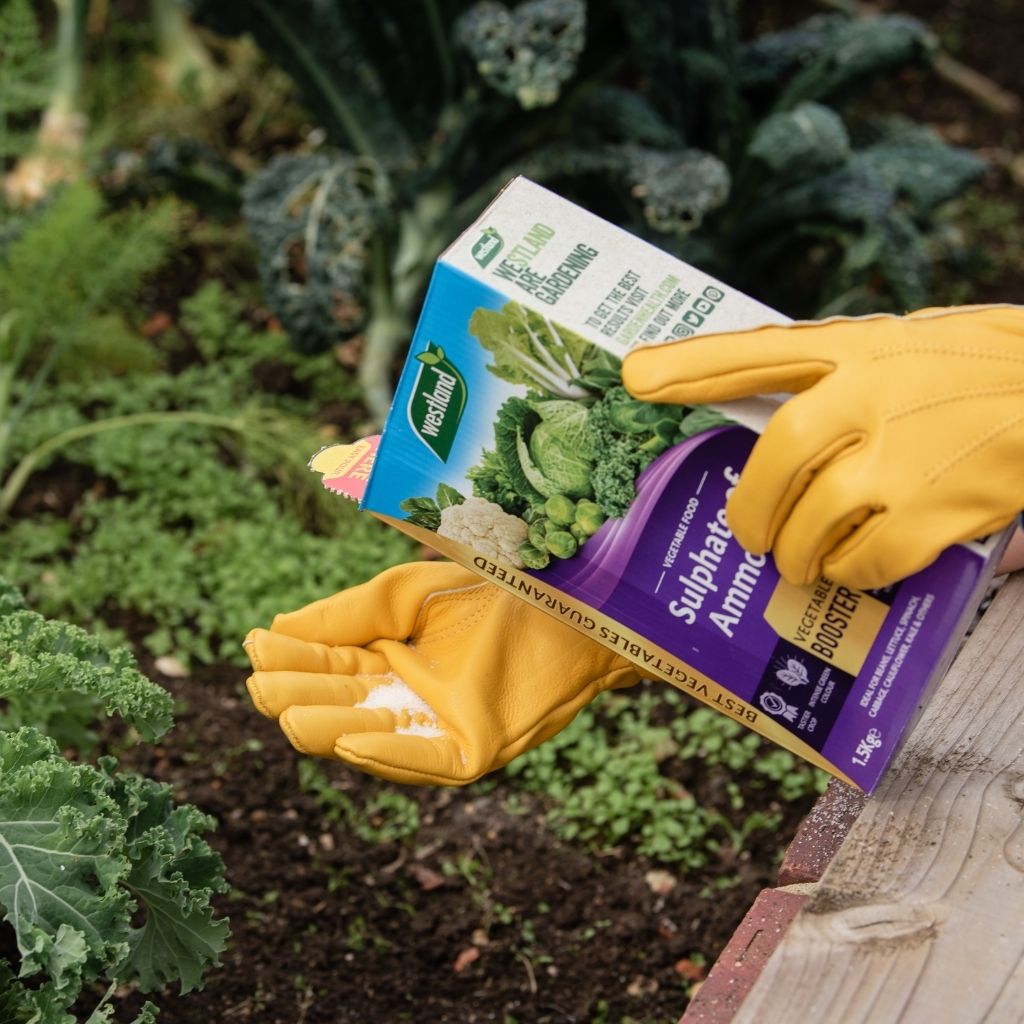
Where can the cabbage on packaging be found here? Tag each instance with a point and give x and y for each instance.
(512, 448)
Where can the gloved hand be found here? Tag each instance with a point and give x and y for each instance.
(907, 435)
(425, 674)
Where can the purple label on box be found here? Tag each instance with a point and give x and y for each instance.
(672, 571)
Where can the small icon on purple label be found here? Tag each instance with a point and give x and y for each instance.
(793, 672)
(775, 705)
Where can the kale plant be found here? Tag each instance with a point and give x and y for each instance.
(105, 882)
(747, 158)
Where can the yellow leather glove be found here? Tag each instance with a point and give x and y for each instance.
(907, 435)
(425, 674)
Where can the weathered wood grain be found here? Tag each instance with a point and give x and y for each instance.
(920, 916)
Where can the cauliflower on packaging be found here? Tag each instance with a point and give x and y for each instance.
(486, 528)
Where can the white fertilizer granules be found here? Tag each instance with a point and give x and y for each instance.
(415, 716)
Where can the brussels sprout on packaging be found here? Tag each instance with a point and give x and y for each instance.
(513, 448)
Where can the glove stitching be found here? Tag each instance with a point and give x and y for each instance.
(293, 738)
(479, 594)
(944, 467)
(454, 780)
(931, 403)
(256, 693)
(895, 351)
(249, 646)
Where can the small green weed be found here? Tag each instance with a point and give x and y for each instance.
(478, 876)
(388, 816)
(607, 777)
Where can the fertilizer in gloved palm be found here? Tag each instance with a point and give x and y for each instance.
(413, 715)
(513, 448)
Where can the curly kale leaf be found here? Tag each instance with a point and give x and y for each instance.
(173, 875)
(63, 838)
(614, 478)
(47, 667)
(618, 458)
(11, 599)
(492, 480)
(313, 217)
(628, 434)
(85, 850)
(528, 53)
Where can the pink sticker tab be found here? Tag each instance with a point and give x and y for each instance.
(346, 468)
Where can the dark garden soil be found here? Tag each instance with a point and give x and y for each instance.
(327, 927)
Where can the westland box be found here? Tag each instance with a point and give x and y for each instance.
(513, 449)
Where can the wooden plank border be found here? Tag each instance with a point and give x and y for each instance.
(920, 915)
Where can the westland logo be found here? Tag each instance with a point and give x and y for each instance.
(487, 246)
(438, 401)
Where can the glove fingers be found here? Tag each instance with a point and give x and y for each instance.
(721, 367)
(274, 652)
(804, 436)
(416, 760)
(892, 547)
(274, 692)
(315, 728)
(385, 606)
(836, 502)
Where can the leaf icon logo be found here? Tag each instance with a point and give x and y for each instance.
(433, 356)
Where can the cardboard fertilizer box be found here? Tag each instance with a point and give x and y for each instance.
(512, 448)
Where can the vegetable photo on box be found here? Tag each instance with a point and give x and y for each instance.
(906, 435)
(566, 457)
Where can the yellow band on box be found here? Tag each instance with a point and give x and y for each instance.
(832, 622)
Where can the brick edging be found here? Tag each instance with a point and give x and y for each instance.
(739, 965)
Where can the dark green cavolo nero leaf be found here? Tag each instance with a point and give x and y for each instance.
(859, 51)
(801, 143)
(313, 219)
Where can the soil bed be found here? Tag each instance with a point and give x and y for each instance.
(329, 928)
